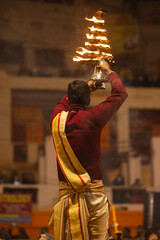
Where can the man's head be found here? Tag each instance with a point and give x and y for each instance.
(78, 93)
(46, 236)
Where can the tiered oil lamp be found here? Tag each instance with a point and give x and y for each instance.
(97, 48)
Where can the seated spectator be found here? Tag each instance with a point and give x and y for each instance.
(126, 232)
(119, 180)
(139, 233)
(46, 236)
(150, 235)
(22, 233)
(4, 178)
(24, 71)
(28, 178)
(137, 182)
(4, 235)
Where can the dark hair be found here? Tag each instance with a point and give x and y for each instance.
(4, 234)
(148, 233)
(78, 93)
(46, 235)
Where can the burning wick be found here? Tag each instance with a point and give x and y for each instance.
(94, 19)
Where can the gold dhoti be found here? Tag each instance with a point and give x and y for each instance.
(81, 216)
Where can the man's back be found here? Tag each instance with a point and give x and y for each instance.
(84, 138)
(83, 127)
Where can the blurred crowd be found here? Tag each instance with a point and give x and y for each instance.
(141, 234)
(15, 178)
(139, 79)
(129, 77)
(22, 234)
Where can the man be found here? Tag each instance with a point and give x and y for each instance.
(82, 212)
(46, 236)
(4, 234)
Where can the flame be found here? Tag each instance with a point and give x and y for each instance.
(93, 29)
(87, 51)
(90, 36)
(98, 45)
(101, 38)
(107, 54)
(94, 19)
(78, 59)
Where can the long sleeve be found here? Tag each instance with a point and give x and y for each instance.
(103, 112)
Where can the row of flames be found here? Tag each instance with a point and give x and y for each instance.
(96, 45)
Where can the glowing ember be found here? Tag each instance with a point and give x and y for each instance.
(101, 38)
(87, 51)
(93, 29)
(94, 19)
(97, 45)
(90, 36)
(107, 54)
(78, 59)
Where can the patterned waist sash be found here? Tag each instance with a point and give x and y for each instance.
(76, 211)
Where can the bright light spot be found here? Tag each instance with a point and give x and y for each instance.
(94, 19)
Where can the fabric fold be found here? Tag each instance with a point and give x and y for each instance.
(73, 171)
(72, 205)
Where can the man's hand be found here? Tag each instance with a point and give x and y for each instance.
(94, 85)
(91, 85)
(105, 66)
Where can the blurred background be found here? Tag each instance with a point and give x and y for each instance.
(38, 39)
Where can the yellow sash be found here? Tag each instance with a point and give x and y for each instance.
(78, 181)
(73, 171)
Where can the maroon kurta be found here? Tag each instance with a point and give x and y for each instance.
(84, 126)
